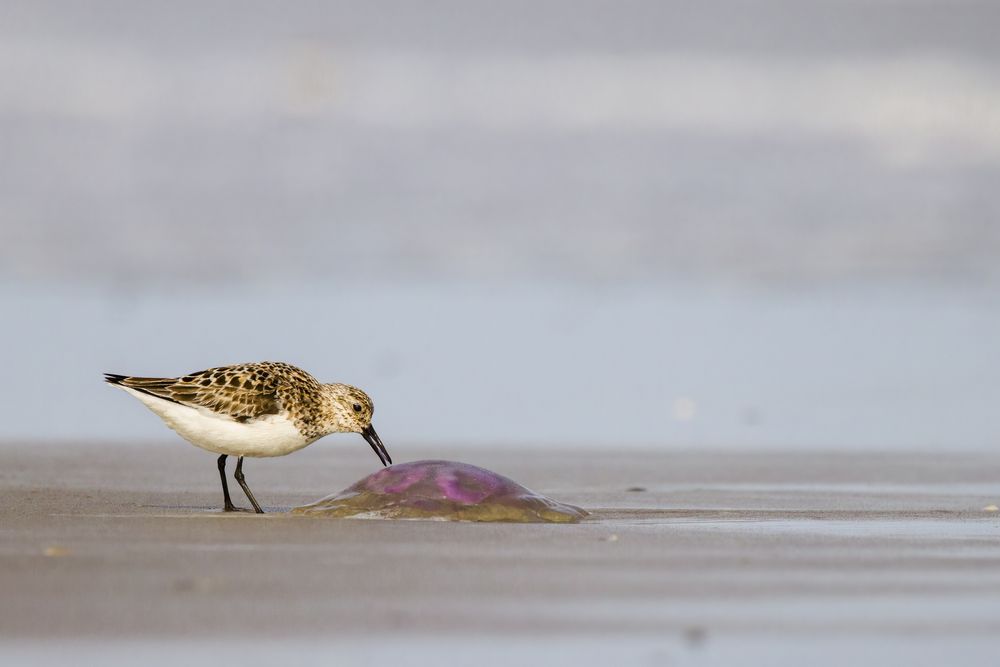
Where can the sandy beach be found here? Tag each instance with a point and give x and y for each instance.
(689, 558)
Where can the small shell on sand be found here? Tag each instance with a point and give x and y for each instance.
(445, 490)
(55, 551)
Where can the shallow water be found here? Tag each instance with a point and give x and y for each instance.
(564, 367)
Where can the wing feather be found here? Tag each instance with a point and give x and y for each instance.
(242, 392)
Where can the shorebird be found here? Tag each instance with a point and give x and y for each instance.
(266, 408)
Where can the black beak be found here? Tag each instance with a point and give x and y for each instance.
(371, 436)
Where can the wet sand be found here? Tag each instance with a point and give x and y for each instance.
(689, 558)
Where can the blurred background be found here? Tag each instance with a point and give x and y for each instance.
(566, 223)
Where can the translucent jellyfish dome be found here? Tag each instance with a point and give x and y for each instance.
(445, 490)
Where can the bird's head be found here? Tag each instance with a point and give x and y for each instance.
(351, 410)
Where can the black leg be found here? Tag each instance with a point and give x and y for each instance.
(246, 489)
(225, 487)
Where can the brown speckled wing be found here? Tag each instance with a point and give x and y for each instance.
(242, 392)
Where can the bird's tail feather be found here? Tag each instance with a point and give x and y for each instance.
(158, 387)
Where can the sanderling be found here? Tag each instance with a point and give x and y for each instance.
(259, 409)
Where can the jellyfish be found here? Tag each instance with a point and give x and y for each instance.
(444, 490)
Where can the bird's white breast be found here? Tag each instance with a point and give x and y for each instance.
(272, 435)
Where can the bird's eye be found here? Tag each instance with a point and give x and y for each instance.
(357, 407)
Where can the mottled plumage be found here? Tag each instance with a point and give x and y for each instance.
(257, 409)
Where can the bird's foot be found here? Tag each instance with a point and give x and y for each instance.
(234, 508)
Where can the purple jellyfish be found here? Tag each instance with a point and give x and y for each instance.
(445, 490)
